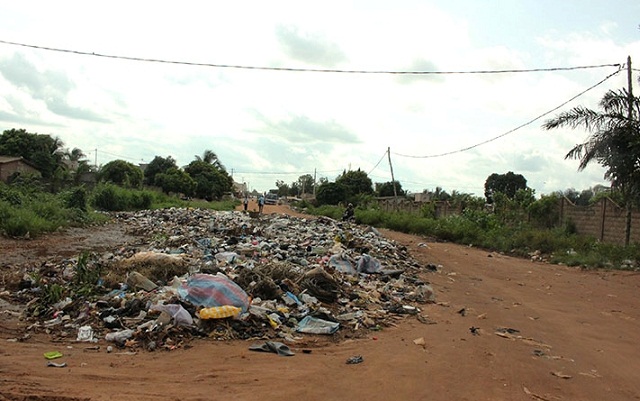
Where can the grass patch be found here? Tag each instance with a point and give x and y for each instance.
(485, 230)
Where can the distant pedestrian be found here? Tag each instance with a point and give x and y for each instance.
(260, 204)
(245, 202)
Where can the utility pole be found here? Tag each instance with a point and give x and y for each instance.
(95, 163)
(393, 180)
(314, 182)
(627, 233)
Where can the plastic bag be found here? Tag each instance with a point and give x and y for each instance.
(341, 264)
(208, 290)
(314, 325)
(367, 264)
(179, 314)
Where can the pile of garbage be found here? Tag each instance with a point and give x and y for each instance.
(225, 275)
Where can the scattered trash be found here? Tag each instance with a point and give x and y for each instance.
(474, 330)
(179, 314)
(219, 312)
(213, 290)
(137, 280)
(119, 336)
(56, 365)
(355, 360)
(561, 375)
(314, 325)
(85, 334)
(507, 330)
(426, 320)
(420, 341)
(224, 275)
(272, 346)
(52, 355)
(507, 333)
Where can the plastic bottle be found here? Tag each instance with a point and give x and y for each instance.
(119, 336)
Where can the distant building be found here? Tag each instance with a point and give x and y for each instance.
(422, 197)
(9, 165)
(239, 188)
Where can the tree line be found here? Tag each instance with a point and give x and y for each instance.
(205, 177)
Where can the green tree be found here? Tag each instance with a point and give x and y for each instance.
(176, 181)
(305, 183)
(283, 188)
(545, 212)
(121, 173)
(386, 188)
(507, 184)
(43, 151)
(331, 193)
(157, 166)
(211, 182)
(209, 157)
(614, 142)
(355, 182)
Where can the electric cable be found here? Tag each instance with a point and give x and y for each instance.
(291, 69)
(514, 129)
(378, 163)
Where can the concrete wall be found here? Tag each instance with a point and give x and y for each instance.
(390, 204)
(604, 220)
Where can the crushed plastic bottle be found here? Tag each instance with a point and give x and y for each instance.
(119, 336)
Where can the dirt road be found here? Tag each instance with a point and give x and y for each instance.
(505, 329)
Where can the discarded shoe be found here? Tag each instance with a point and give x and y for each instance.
(355, 359)
(272, 346)
(56, 365)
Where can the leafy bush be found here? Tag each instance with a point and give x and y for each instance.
(110, 197)
(77, 199)
(20, 222)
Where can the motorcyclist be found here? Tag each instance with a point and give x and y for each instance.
(348, 213)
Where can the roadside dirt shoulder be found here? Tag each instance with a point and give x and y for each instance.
(503, 329)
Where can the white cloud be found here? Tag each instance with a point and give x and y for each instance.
(297, 122)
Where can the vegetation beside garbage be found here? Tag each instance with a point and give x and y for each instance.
(27, 210)
(509, 218)
(507, 232)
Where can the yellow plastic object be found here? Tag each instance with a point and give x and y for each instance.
(272, 322)
(219, 312)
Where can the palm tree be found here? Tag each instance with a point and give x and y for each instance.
(209, 157)
(614, 142)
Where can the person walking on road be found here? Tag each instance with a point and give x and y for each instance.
(245, 202)
(260, 204)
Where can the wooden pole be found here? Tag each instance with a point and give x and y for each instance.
(627, 232)
(393, 180)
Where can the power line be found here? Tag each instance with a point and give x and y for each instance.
(291, 69)
(378, 163)
(284, 172)
(514, 129)
(121, 157)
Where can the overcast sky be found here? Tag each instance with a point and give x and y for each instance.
(268, 125)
